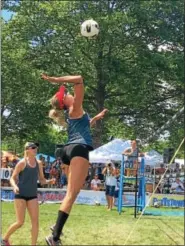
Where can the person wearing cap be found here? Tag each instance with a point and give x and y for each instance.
(75, 153)
(24, 183)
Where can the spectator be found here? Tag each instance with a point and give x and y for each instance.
(110, 184)
(47, 170)
(99, 171)
(116, 193)
(40, 157)
(4, 164)
(58, 163)
(54, 174)
(48, 159)
(177, 186)
(147, 169)
(132, 154)
(88, 178)
(161, 170)
(63, 176)
(117, 176)
(43, 163)
(14, 162)
(159, 188)
(177, 168)
(116, 170)
(95, 183)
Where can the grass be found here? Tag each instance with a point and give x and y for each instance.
(94, 225)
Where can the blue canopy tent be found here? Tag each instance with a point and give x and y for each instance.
(45, 156)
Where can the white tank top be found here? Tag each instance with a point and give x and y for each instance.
(110, 180)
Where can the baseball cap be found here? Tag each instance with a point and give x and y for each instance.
(60, 96)
(31, 144)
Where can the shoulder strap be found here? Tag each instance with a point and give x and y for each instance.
(25, 163)
(37, 164)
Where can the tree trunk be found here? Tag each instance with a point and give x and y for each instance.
(97, 134)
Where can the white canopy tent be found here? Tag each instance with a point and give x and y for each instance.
(112, 151)
(153, 158)
(180, 161)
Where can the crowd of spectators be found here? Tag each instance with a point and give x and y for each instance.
(173, 181)
(51, 169)
(55, 170)
(9, 163)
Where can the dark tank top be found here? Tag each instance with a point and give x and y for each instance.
(28, 181)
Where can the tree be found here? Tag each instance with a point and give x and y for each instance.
(134, 67)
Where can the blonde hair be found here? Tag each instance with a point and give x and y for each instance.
(56, 114)
(25, 154)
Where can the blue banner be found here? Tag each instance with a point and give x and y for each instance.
(167, 202)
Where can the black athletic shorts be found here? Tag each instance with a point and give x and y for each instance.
(67, 152)
(17, 196)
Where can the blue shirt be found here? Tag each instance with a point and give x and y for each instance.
(79, 130)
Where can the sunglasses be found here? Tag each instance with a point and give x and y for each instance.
(31, 147)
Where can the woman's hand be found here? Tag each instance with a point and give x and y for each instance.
(102, 114)
(52, 181)
(16, 189)
(98, 117)
(44, 76)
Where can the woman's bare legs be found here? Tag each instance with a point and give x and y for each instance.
(77, 174)
(33, 210)
(20, 210)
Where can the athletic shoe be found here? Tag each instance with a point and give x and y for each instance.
(51, 242)
(52, 229)
(5, 243)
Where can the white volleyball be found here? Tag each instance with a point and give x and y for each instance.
(89, 28)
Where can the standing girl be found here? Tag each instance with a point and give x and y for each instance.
(24, 183)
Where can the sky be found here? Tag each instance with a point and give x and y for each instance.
(6, 14)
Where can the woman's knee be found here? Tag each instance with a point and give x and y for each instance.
(71, 196)
(20, 223)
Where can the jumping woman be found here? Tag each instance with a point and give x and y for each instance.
(76, 150)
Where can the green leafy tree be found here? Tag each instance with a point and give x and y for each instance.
(134, 67)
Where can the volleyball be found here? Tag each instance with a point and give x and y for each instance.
(97, 203)
(157, 204)
(89, 28)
